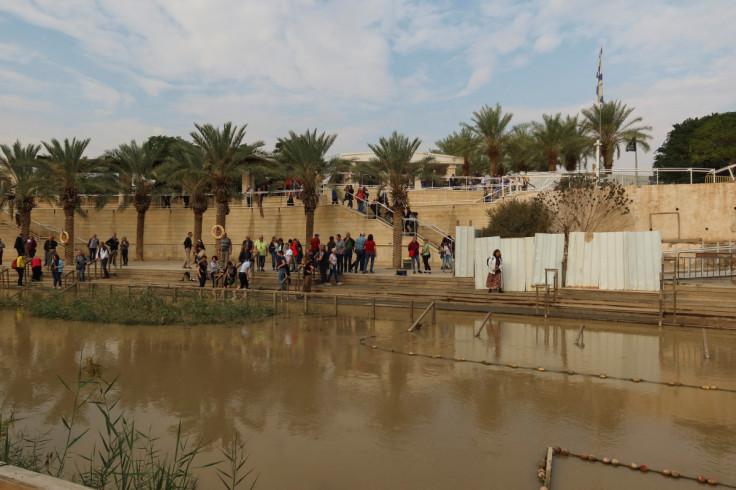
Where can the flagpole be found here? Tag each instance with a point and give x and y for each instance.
(599, 97)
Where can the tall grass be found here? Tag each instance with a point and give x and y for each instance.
(122, 455)
(143, 307)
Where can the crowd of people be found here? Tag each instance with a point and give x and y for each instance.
(100, 251)
(327, 260)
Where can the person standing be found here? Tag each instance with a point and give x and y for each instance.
(103, 255)
(226, 248)
(281, 267)
(249, 196)
(187, 251)
(333, 268)
(2, 249)
(414, 255)
(247, 249)
(199, 250)
(446, 255)
(202, 270)
(31, 246)
(92, 245)
(494, 263)
(262, 247)
(124, 246)
(340, 252)
(20, 268)
(314, 244)
(370, 252)
(20, 245)
(347, 255)
(308, 273)
(359, 253)
(323, 260)
(57, 268)
(426, 254)
(49, 249)
(80, 262)
(113, 243)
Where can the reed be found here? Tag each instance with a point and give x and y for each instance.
(142, 307)
(122, 455)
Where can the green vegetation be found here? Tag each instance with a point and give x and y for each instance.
(489, 141)
(144, 307)
(706, 142)
(514, 218)
(122, 456)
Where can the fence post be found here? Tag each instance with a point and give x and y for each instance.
(373, 301)
(411, 310)
(335, 300)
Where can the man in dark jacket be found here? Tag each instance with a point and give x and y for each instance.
(20, 245)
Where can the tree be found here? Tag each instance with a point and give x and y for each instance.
(394, 163)
(549, 136)
(609, 122)
(302, 156)
(464, 144)
(137, 176)
(68, 174)
(225, 157)
(521, 154)
(576, 145)
(583, 203)
(19, 171)
(513, 218)
(489, 125)
(186, 167)
(706, 142)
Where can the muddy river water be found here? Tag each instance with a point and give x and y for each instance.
(322, 411)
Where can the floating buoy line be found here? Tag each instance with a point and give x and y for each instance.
(642, 468)
(541, 369)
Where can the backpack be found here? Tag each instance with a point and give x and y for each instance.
(14, 264)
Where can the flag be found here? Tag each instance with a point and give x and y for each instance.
(599, 78)
(632, 145)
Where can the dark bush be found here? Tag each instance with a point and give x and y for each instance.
(513, 218)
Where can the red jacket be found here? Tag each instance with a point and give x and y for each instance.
(314, 244)
(413, 248)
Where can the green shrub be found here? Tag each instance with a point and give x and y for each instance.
(513, 218)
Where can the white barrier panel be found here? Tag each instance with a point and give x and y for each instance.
(464, 251)
(607, 261)
(643, 260)
(548, 250)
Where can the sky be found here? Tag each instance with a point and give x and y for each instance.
(117, 70)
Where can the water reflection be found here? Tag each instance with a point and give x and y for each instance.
(323, 412)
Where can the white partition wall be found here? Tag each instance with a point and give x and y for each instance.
(608, 261)
(464, 251)
(548, 250)
(643, 260)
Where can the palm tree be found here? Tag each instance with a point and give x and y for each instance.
(302, 156)
(184, 166)
(609, 122)
(463, 144)
(138, 176)
(394, 163)
(576, 146)
(225, 157)
(549, 137)
(19, 171)
(68, 174)
(521, 154)
(489, 125)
